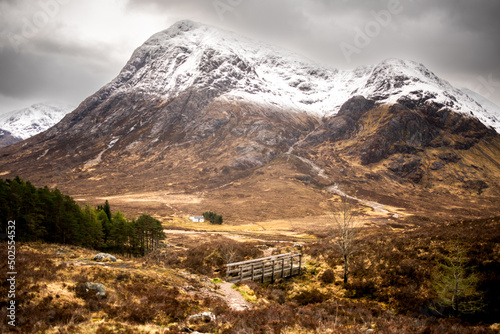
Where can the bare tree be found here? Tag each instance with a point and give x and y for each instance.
(345, 230)
(228, 252)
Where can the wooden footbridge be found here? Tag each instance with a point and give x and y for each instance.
(265, 269)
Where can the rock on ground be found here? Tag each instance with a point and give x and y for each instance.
(87, 290)
(104, 257)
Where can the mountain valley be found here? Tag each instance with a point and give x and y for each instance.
(190, 117)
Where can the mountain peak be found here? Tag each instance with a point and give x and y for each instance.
(185, 25)
(400, 62)
(177, 29)
(191, 55)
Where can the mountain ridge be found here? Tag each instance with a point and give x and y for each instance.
(6, 138)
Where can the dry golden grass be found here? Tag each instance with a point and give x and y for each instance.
(390, 276)
(48, 275)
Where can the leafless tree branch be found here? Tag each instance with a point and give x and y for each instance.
(345, 230)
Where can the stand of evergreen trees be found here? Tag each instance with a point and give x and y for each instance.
(213, 218)
(48, 215)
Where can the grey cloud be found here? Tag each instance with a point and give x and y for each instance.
(455, 38)
(47, 76)
(52, 68)
(171, 5)
(50, 65)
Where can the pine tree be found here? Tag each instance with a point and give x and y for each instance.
(107, 209)
(46, 202)
(456, 286)
(119, 237)
(102, 218)
(218, 220)
(147, 232)
(212, 217)
(43, 214)
(5, 207)
(92, 228)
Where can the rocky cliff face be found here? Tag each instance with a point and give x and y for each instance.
(403, 137)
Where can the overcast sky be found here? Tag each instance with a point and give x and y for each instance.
(65, 50)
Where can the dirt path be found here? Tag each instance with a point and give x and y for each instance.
(374, 205)
(377, 207)
(233, 298)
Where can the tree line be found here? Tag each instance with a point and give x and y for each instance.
(42, 214)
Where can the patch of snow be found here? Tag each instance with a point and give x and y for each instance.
(113, 142)
(491, 118)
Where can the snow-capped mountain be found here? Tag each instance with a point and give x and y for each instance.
(27, 122)
(191, 55)
(198, 108)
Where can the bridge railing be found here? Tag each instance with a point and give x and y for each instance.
(265, 269)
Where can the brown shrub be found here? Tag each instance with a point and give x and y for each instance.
(328, 276)
(145, 302)
(312, 296)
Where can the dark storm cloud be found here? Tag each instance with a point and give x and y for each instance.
(40, 60)
(53, 69)
(457, 39)
(49, 75)
(275, 18)
(172, 6)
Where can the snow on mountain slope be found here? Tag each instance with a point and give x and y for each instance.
(27, 122)
(192, 55)
(493, 115)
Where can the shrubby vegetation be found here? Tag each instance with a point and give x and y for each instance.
(207, 257)
(456, 285)
(47, 303)
(418, 269)
(392, 285)
(48, 215)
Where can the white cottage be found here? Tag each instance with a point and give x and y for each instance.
(197, 219)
